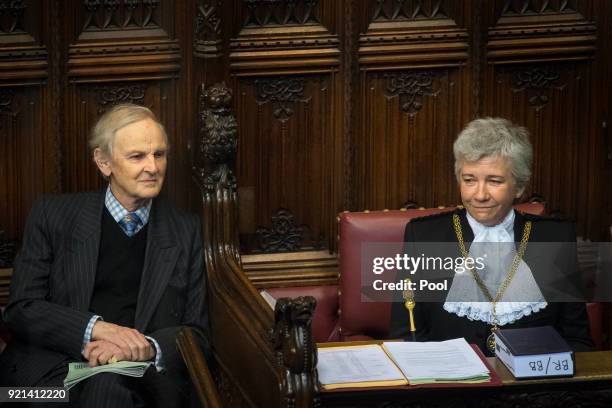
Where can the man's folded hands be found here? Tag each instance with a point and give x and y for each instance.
(111, 342)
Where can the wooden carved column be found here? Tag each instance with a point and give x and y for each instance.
(296, 352)
(246, 337)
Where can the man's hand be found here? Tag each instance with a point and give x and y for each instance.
(132, 343)
(101, 352)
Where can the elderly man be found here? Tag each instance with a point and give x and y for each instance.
(111, 275)
(530, 280)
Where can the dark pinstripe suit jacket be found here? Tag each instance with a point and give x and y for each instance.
(54, 278)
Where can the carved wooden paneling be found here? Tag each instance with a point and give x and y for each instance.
(23, 60)
(282, 37)
(543, 98)
(207, 42)
(339, 104)
(121, 40)
(605, 118)
(415, 33)
(414, 96)
(542, 73)
(128, 51)
(529, 30)
(26, 164)
(7, 251)
(288, 123)
(404, 151)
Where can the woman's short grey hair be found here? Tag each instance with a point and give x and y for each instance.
(495, 137)
(119, 116)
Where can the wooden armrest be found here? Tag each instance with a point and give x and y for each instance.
(198, 369)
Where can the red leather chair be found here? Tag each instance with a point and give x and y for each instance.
(365, 320)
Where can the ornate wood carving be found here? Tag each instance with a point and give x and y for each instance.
(240, 319)
(411, 87)
(11, 16)
(23, 61)
(117, 15)
(123, 40)
(537, 80)
(264, 12)
(531, 7)
(283, 37)
(7, 251)
(283, 93)
(6, 100)
(134, 60)
(207, 42)
(529, 31)
(387, 10)
(111, 95)
(7, 109)
(398, 37)
(218, 139)
(228, 392)
(283, 236)
(295, 350)
(351, 70)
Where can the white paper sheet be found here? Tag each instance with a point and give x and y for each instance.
(355, 364)
(444, 360)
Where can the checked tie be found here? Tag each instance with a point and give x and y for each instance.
(130, 223)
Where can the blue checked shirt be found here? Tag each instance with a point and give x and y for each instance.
(118, 212)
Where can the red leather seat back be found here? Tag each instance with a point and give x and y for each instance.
(358, 319)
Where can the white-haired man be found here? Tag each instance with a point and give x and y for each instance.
(111, 275)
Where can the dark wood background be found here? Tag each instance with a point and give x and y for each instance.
(341, 104)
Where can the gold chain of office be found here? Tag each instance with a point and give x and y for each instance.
(502, 288)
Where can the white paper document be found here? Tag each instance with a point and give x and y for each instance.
(356, 364)
(444, 361)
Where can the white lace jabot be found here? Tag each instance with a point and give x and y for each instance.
(465, 298)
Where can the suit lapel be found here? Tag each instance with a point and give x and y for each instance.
(160, 257)
(82, 258)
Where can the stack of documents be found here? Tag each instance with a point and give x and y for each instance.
(400, 363)
(433, 362)
(77, 372)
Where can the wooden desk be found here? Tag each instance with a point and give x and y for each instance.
(590, 387)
